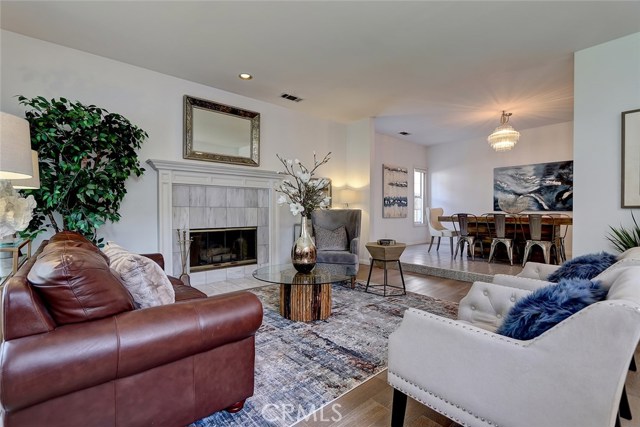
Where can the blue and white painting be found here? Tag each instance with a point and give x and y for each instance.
(545, 186)
(395, 194)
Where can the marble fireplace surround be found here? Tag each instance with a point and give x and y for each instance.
(198, 195)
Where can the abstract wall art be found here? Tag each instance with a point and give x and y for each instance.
(395, 191)
(544, 186)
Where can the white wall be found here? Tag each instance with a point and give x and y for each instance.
(461, 174)
(360, 144)
(396, 152)
(606, 83)
(153, 101)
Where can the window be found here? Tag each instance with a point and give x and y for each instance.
(419, 196)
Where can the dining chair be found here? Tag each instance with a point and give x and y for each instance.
(465, 236)
(535, 237)
(436, 229)
(561, 234)
(497, 228)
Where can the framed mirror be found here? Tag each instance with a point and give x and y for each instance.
(220, 133)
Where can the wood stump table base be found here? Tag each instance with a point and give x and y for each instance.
(305, 303)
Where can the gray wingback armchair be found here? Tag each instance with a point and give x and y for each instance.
(339, 258)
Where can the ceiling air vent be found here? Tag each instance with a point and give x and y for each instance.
(290, 97)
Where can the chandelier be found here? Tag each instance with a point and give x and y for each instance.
(505, 137)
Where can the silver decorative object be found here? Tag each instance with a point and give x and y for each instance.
(304, 253)
(185, 248)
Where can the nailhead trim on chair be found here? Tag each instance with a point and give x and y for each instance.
(441, 411)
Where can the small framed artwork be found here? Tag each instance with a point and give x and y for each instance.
(326, 191)
(395, 191)
(631, 159)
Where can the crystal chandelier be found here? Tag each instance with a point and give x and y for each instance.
(505, 137)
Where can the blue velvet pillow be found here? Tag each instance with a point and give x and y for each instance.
(548, 306)
(583, 267)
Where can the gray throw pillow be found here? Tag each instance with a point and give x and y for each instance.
(144, 278)
(331, 240)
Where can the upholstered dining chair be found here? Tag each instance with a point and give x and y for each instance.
(535, 238)
(436, 229)
(497, 227)
(571, 375)
(465, 236)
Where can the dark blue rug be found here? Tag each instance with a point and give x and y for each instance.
(301, 367)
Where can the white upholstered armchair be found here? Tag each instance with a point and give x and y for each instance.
(571, 375)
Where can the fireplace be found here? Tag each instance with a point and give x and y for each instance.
(215, 248)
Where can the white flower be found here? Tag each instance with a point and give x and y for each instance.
(320, 183)
(296, 208)
(301, 190)
(15, 211)
(304, 177)
(326, 200)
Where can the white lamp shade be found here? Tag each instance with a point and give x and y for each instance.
(32, 183)
(15, 147)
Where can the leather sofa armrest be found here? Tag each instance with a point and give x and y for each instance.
(77, 356)
(157, 257)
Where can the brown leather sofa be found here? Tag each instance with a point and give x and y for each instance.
(105, 363)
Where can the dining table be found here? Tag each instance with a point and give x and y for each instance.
(517, 227)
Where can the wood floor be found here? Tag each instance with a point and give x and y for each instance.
(370, 403)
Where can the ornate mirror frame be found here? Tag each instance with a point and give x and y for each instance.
(218, 112)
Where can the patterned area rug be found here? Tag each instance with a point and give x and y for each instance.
(300, 367)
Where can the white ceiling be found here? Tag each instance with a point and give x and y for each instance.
(442, 71)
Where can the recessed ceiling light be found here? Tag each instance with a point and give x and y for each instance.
(403, 133)
(245, 76)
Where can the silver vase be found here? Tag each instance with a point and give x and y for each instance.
(303, 253)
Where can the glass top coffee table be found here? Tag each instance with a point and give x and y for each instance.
(303, 297)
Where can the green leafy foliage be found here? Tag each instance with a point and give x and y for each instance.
(86, 154)
(623, 238)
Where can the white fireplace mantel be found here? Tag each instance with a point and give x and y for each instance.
(197, 173)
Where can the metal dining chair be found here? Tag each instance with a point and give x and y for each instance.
(561, 234)
(535, 237)
(497, 228)
(464, 236)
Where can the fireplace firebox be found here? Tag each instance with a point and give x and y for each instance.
(215, 248)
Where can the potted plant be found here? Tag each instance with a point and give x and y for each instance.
(624, 238)
(86, 154)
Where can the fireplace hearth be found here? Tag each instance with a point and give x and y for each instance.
(216, 248)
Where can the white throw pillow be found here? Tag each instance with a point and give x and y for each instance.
(143, 277)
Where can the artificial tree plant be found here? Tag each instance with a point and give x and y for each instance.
(85, 154)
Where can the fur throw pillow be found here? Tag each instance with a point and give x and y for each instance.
(548, 306)
(143, 277)
(583, 267)
(331, 240)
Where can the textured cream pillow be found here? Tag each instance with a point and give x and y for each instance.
(144, 279)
